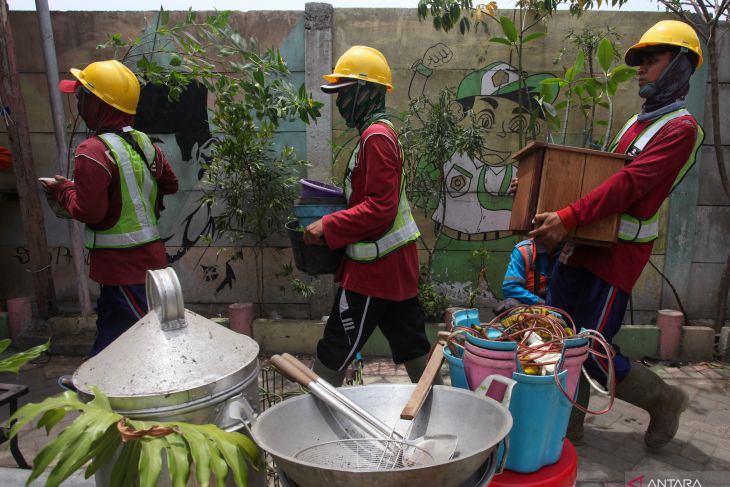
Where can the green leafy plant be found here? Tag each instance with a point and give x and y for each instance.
(591, 92)
(14, 362)
(433, 302)
(516, 38)
(431, 133)
(481, 282)
(448, 13)
(99, 434)
(300, 287)
(251, 180)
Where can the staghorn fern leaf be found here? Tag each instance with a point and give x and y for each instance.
(96, 440)
(15, 362)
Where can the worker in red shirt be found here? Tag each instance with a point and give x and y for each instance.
(119, 179)
(593, 284)
(379, 276)
(6, 159)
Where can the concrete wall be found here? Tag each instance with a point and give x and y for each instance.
(311, 41)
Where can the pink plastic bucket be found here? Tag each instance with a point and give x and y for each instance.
(573, 359)
(240, 316)
(477, 368)
(20, 311)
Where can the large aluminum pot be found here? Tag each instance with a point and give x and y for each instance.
(479, 423)
(175, 365)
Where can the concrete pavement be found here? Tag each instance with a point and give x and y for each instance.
(614, 453)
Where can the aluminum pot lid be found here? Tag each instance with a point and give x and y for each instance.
(169, 350)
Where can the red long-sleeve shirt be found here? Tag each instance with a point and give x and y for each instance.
(639, 189)
(371, 210)
(94, 198)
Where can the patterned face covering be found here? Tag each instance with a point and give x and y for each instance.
(672, 85)
(359, 103)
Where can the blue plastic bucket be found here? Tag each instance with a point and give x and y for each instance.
(541, 414)
(456, 368)
(310, 209)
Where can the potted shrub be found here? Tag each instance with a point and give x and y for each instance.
(570, 172)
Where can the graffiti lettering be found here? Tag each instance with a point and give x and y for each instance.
(60, 255)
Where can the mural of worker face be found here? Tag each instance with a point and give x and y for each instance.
(476, 200)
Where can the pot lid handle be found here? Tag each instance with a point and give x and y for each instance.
(164, 296)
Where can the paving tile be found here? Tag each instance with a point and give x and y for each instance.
(698, 450)
(597, 470)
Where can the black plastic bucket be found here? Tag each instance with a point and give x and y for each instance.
(312, 259)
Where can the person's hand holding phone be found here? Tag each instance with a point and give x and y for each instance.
(49, 184)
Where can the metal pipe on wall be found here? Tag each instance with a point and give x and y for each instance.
(51, 63)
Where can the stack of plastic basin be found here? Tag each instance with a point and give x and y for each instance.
(317, 200)
(539, 407)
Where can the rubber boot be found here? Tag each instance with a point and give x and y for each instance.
(416, 367)
(665, 403)
(577, 417)
(334, 377)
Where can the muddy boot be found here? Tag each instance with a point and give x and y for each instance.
(665, 403)
(334, 377)
(416, 367)
(575, 425)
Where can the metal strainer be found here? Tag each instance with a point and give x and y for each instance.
(365, 454)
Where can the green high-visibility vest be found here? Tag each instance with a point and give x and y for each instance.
(404, 229)
(137, 223)
(632, 229)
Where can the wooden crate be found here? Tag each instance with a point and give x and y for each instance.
(553, 176)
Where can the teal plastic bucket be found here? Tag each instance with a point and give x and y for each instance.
(456, 368)
(541, 414)
(307, 214)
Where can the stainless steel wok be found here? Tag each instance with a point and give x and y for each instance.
(479, 423)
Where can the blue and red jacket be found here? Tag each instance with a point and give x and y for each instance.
(528, 260)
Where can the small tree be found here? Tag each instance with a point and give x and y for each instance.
(591, 92)
(432, 132)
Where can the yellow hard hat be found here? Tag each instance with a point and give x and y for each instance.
(112, 82)
(670, 33)
(360, 62)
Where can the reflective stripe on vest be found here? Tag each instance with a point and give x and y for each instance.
(137, 223)
(404, 229)
(632, 229)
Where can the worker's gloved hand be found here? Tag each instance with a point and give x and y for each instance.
(506, 304)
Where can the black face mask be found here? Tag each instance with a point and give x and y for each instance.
(672, 84)
(359, 102)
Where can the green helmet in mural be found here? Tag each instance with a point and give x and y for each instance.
(501, 80)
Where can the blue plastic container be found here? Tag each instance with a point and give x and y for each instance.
(541, 414)
(456, 368)
(307, 214)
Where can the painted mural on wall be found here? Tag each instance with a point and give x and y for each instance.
(475, 207)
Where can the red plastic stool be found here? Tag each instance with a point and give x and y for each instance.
(560, 474)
